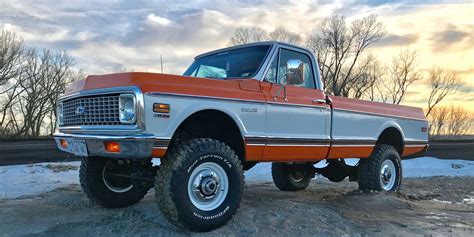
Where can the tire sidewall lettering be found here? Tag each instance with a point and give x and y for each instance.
(205, 157)
(212, 216)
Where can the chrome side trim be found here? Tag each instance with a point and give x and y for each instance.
(378, 114)
(299, 105)
(161, 143)
(419, 142)
(351, 142)
(420, 145)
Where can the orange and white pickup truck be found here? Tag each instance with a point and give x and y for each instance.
(232, 108)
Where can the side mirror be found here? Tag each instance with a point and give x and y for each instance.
(294, 72)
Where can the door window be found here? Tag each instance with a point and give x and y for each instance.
(288, 57)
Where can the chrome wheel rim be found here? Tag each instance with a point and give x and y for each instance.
(119, 185)
(388, 175)
(208, 186)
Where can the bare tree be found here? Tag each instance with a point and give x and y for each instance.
(244, 35)
(43, 78)
(11, 48)
(11, 63)
(340, 46)
(365, 77)
(283, 35)
(437, 120)
(459, 121)
(442, 83)
(450, 120)
(376, 71)
(403, 72)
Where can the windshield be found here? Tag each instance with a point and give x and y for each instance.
(236, 63)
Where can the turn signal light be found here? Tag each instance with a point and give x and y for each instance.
(63, 143)
(161, 108)
(112, 147)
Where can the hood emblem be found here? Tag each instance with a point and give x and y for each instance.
(80, 110)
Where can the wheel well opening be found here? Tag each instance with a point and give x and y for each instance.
(212, 124)
(391, 136)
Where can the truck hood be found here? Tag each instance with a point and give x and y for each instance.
(118, 80)
(166, 83)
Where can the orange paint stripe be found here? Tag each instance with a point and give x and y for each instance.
(254, 153)
(338, 152)
(295, 153)
(413, 150)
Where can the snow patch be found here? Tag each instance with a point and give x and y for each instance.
(19, 180)
(469, 200)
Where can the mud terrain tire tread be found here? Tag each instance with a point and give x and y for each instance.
(282, 180)
(368, 170)
(173, 162)
(90, 177)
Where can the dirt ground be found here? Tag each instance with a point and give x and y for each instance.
(437, 206)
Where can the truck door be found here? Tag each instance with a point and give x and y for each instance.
(298, 119)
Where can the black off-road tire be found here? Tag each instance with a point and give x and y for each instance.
(93, 185)
(171, 186)
(369, 170)
(283, 176)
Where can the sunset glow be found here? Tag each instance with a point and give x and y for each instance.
(105, 36)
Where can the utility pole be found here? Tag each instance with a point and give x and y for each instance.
(161, 61)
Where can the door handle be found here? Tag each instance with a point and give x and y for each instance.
(319, 101)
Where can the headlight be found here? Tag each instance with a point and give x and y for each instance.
(127, 106)
(60, 114)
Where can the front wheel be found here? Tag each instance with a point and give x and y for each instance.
(382, 171)
(199, 185)
(107, 183)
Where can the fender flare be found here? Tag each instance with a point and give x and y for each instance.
(199, 108)
(390, 124)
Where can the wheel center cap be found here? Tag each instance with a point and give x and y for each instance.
(387, 174)
(208, 186)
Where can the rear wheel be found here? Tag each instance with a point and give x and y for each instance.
(291, 177)
(200, 184)
(103, 181)
(382, 171)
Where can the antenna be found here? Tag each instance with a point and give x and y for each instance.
(161, 61)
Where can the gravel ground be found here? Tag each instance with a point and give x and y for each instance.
(438, 206)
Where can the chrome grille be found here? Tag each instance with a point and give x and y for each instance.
(97, 110)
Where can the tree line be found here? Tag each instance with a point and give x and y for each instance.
(31, 80)
(349, 69)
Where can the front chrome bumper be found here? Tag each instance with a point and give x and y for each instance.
(137, 146)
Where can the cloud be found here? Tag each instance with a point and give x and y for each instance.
(397, 40)
(452, 35)
(103, 35)
(152, 18)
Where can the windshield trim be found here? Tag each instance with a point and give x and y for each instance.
(225, 50)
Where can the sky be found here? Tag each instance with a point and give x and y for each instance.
(104, 36)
